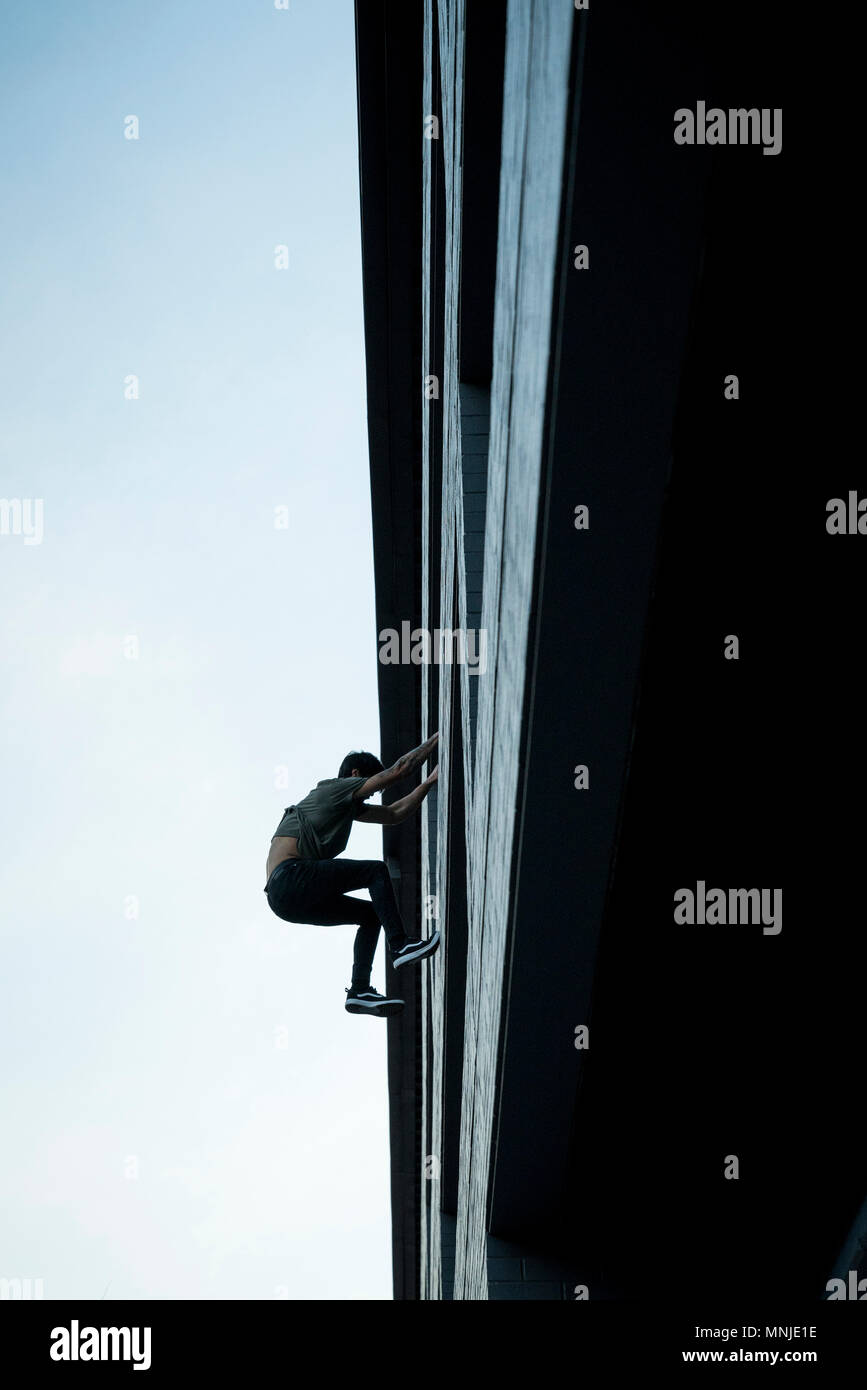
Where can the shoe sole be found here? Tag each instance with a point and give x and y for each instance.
(376, 1010)
(427, 949)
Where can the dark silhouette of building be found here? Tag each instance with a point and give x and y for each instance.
(556, 295)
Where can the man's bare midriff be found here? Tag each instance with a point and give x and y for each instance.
(282, 847)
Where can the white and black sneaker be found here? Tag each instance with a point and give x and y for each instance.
(415, 950)
(362, 999)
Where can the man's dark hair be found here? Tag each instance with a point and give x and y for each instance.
(367, 764)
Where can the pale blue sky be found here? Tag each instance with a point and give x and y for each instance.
(263, 1168)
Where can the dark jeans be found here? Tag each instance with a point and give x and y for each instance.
(315, 891)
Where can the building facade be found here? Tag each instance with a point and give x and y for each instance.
(555, 291)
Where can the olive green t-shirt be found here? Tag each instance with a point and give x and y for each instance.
(322, 821)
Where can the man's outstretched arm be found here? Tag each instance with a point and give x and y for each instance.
(398, 810)
(404, 765)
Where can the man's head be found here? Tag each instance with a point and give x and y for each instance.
(360, 765)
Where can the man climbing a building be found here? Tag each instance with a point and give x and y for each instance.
(306, 883)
